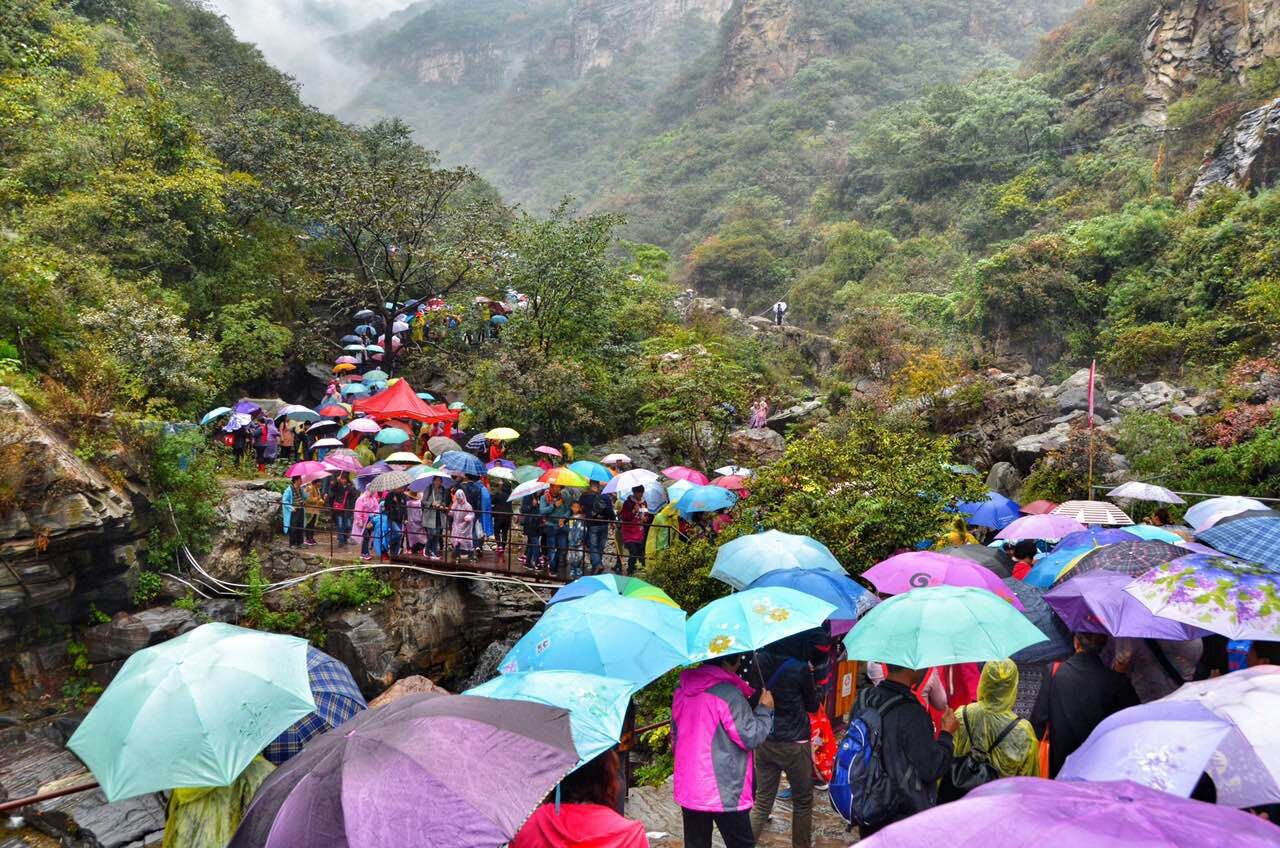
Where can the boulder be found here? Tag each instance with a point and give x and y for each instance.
(1005, 479)
(1028, 449)
(756, 446)
(647, 449)
(792, 414)
(126, 634)
(411, 685)
(1248, 154)
(250, 518)
(1073, 394)
(1151, 396)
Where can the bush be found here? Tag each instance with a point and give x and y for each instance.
(352, 588)
(150, 585)
(181, 470)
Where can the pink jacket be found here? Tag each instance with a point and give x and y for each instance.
(366, 508)
(713, 732)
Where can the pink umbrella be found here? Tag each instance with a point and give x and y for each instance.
(1048, 527)
(732, 482)
(346, 360)
(342, 462)
(682, 472)
(917, 569)
(364, 425)
(302, 469)
(314, 476)
(548, 450)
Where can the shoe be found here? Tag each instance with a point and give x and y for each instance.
(784, 794)
(365, 558)
(821, 787)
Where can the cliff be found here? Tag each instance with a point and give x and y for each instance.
(604, 29)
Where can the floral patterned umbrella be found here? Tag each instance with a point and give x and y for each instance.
(1237, 599)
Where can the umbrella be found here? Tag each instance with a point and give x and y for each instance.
(527, 473)
(440, 445)
(547, 450)
(597, 705)
(734, 471)
(655, 496)
(355, 347)
(343, 368)
(425, 395)
(1093, 512)
(1168, 744)
(423, 480)
(326, 443)
(531, 487)
(405, 457)
(363, 315)
(194, 711)
(1132, 558)
(375, 469)
(627, 587)
(732, 482)
(457, 405)
(1074, 813)
(1150, 532)
(477, 441)
(1135, 491)
(375, 349)
(1038, 508)
(366, 329)
(995, 559)
(1093, 537)
(1097, 603)
(427, 769)
(342, 463)
(500, 463)
(462, 462)
(563, 477)
(350, 338)
(214, 414)
(364, 425)
(320, 425)
(683, 472)
(996, 512)
(677, 489)
(615, 459)
(1255, 539)
(391, 436)
(916, 569)
(501, 472)
(591, 470)
(354, 389)
(743, 560)
(1050, 567)
(1239, 600)
(1203, 513)
(628, 480)
(941, 625)
(605, 634)
(334, 410)
(502, 434)
(705, 499)
(337, 698)
(247, 407)
(752, 619)
(388, 481)
(849, 598)
(498, 319)
(1060, 644)
(302, 469)
(1240, 516)
(399, 327)
(346, 360)
(1039, 527)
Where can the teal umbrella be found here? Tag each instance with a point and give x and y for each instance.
(591, 470)
(745, 559)
(377, 375)
(391, 436)
(597, 705)
(215, 414)
(752, 619)
(194, 711)
(527, 473)
(941, 625)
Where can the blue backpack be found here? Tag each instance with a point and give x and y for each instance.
(862, 792)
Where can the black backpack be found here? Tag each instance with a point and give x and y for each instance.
(974, 768)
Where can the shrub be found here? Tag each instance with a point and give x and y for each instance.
(352, 588)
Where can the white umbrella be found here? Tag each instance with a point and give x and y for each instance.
(1206, 513)
(500, 473)
(530, 488)
(1093, 512)
(628, 480)
(1135, 491)
(327, 443)
(399, 327)
(733, 470)
(615, 458)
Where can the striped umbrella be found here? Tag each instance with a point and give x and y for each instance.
(388, 481)
(561, 476)
(1093, 512)
(337, 699)
(1256, 539)
(477, 441)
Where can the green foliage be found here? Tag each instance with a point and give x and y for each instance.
(256, 612)
(79, 690)
(188, 602)
(150, 585)
(1154, 443)
(352, 588)
(182, 474)
(683, 571)
(250, 344)
(1064, 475)
(695, 400)
(96, 615)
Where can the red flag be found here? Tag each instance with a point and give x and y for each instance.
(1093, 366)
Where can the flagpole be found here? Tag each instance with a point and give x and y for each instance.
(1093, 365)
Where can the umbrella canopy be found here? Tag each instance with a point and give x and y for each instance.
(1069, 814)
(1201, 514)
(477, 441)
(627, 587)
(502, 434)
(705, 499)
(597, 705)
(500, 463)
(1168, 744)
(1038, 508)
(424, 480)
(1050, 567)
(732, 482)
(683, 472)
(1097, 603)
(440, 445)
(996, 560)
(403, 456)
(591, 470)
(1240, 516)
(320, 425)
(462, 462)
(391, 436)
(343, 368)
(1255, 539)
(850, 600)
(616, 459)
(1239, 600)
(457, 406)
(561, 476)
(603, 634)
(1092, 537)
(346, 360)
(1093, 512)
(400, 401)
(530, 487)
(350, 338)
(334, 410)
(743, 560)
(628, 480)
(1049, 527)
(1060, 644)
(194, 711)
(364, 425)
(302, 469)
(916, 569)
(1150, 532)
(426, 395)
(996, 511)
(1135, 491)
(363, 314)
(337, 698)
(392, 777)
(527, 473)
(734, 471)
(752, 619)
(399, 327)
(501, 472)
(941, 625)
(1132, 558)
(547, 450)
(389, 481)
(214, 414)
(247, 407)
(326, 443)
(351, 389)
(342, 463)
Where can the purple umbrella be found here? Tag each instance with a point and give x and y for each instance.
(1092, 537)
(342, 462)
(364, 425)
(428, 769)
(500, 463)
(1071, 814)
(915, 569)
(1097, 603)
(1047, 527)
(244, 407)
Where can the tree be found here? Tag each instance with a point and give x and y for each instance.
(696, 399)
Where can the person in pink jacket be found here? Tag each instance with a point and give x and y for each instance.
(713, 732)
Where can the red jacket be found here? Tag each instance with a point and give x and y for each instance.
(633, 525)
(579, 826)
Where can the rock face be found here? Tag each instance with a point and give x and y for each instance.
(126, 633)
(1248, 155)
(762, 48)
(754, 447)
(250, 515)
(603, 29)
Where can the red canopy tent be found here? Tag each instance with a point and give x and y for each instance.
(400, 401)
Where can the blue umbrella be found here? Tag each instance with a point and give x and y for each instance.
(1048, 567)
(996, 512)
(851, 600)
(498, 319)
(743, 560)
(1255, 539)
(476, 442)
(1152, 534)
(591, 470)
(214, 414)
(354, 389)
(363, 314)
(1093, 537)
(603, 634)
(366, 329)
(462, 462)
(350, 339)
(426, 396)
(337, 698)
(391, 436)
(751, 619)
(705, 499)
(597, 705)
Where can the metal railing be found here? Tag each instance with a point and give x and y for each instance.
(1097, 487)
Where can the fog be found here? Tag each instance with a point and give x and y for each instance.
(292, 34)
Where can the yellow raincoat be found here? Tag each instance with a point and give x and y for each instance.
(662, 532)
(959, 535)
(208, 817)
(1017, 754)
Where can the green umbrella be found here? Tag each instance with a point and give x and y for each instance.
(527, 473)
(941, 625)
(194, 711)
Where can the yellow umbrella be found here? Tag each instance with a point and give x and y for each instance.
(502, 434)
(343, 367)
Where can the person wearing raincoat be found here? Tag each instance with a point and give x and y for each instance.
(208, 817)
(366, 509)
(982, 722)
(958, 535)
(463, 519)
(662, 532)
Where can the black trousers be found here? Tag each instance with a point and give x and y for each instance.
(735, 828)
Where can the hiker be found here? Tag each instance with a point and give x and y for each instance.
(207, 817)
(581, 812)
(990, 727)
(314, 504)
(913, 759)
(239, 441)
(789, 747)
(415, 537)
(342, 498)
(396, 509)
(759, 414)
(713, 732)
(288, 440)
(531, 524)
(634, 527)
(291, 507)
(1024, 558)
(780, 312)
(1076, 696)
(1155, 667)
(575, 543)
(597, 511)
(366, 508)
(435, 516)
(501, 516)
(473, 492)
(462, 518)
(958, 535)
(555, 514)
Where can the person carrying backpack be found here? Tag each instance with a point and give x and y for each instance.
(789, 747)
(991, 742)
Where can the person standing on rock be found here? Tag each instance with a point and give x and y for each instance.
(780, 312)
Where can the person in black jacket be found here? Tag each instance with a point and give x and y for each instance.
(913, 758)
(597, 509)
(501, 508)
(789, 747)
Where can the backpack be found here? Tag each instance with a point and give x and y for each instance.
(974, 768)
(861, 790)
